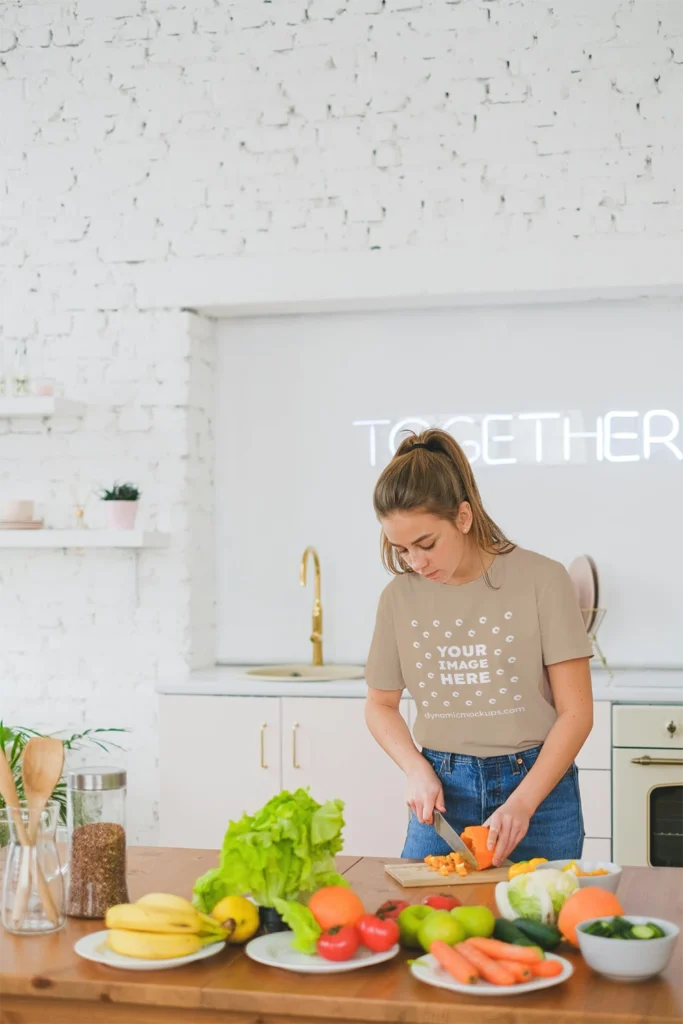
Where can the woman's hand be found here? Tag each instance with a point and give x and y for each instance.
(507, 827)
(425, 793)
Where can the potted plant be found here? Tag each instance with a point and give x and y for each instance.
(122, 506)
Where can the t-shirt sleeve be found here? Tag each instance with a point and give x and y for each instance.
(563, 631)
(383, 670)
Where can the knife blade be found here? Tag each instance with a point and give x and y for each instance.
(453, 839)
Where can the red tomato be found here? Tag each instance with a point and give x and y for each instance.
(378, 934)
(390, 909)
(339, 943)
(441, 901)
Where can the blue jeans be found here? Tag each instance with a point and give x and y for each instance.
(474, 787)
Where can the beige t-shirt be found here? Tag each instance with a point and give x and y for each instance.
(474, 658)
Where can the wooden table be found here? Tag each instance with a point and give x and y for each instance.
(42, 981)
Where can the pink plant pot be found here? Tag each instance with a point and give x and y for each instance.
(121, 514)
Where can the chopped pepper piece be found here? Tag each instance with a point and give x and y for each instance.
(525, 867)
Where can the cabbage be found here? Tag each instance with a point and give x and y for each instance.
(538, 896)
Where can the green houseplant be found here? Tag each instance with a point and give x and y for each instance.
(121, 505)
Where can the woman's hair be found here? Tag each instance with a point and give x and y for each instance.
(431, 473)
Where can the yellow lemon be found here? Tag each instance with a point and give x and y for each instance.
(238, 916)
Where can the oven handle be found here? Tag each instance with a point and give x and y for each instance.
(646, 759)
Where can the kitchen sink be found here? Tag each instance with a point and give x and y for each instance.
(306, 673)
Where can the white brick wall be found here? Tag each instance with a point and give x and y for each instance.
(85, 635)
(152, 130)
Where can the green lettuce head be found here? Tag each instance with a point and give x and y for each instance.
(283, 851)
(540, 896)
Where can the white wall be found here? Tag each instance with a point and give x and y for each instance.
(292, 470)
(144, 132)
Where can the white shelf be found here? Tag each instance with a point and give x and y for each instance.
(38, 406)
(82, 539)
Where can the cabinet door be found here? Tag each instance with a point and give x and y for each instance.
(597, 750)
(597, 849)
(327, 746)
(219, 757)
(596, 802)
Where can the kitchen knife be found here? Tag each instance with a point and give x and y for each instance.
(453, 839)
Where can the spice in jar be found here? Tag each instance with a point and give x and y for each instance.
(97, 870)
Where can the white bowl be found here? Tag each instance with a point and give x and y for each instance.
(609, 882)
(628, 959)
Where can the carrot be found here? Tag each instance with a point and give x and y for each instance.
(546, 968)
(490, 970)
(498, 950)
(520, 972)
(456, 965)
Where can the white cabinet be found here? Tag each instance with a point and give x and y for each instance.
(597, 750)
(220, 757)
(327, 746)
(595, 781)
(596, 800)
(597, 849)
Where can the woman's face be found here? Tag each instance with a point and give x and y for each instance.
(432, 547)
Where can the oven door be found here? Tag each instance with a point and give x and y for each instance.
(647, 807)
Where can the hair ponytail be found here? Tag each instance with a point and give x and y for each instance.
(435, 478)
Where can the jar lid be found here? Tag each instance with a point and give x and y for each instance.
(95, 779)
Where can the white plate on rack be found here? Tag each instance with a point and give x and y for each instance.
(427, 969)
(276, 951)
(93, 947)
(584, 576)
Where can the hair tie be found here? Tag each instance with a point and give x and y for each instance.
(420, 444)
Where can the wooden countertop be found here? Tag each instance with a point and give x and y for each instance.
(42, 981)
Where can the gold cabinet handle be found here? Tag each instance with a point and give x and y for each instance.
(264, 726)
(295, 762)
(646, 759)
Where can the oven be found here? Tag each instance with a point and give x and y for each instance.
(647, 785)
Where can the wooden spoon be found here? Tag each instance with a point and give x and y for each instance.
(11, 797)
(41, 770)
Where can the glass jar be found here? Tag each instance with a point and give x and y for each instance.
(33, 883)
(96, 816)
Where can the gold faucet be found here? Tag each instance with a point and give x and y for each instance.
(317, 631)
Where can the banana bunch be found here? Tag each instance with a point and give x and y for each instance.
(160, 926)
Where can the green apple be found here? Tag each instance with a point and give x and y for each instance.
(440, 925)
(477, 921)
(409, 920)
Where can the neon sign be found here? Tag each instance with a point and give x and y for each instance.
(551, 438)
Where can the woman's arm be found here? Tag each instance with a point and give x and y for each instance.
(389, 728)
(570, 682)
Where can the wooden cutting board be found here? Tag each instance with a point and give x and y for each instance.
(412, 875)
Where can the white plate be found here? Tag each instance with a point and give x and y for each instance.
(93, 947)
(427, 969)
(584, 577)
(276, 951)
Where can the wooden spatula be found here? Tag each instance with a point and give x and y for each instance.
(41, 770)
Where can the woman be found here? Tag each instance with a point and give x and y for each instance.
(489, 640)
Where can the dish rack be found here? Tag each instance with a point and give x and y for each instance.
(593, 618)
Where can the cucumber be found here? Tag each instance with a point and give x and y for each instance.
(541, 934)
(506, 931)
(644, 931)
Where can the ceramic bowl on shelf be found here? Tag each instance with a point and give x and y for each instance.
(628, 959)
(610, 881)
